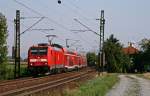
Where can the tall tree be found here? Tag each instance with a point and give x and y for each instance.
(3, 45)
(116, 60)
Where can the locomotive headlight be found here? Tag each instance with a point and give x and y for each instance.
(43, 60)
(33, 60)
(45, 63)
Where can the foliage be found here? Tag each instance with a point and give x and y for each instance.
(116, 60)
(96, 87)
(91, 59)
(145, 44)
(9, 74)
(141, 60)
(3, 45)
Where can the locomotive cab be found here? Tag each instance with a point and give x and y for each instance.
(37, 59)
(38, 56)
(45, 58)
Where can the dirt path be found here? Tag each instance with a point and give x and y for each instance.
(130, 85)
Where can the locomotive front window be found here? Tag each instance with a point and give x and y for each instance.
(39, 51)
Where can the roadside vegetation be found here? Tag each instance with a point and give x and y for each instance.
(10, 71)
(6, 69)
(142, 59)
(119, 62)
(3, 46)
(97, 87)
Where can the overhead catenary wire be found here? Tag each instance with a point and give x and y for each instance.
(80, 12)
(43, 31)
(27, 7)
(40, 14)
(32, 25)
(86, 27)
(30, 17)
(76, 11)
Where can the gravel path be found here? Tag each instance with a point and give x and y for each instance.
(130, 85)
(144, 86)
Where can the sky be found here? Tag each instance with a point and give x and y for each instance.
(128, 20)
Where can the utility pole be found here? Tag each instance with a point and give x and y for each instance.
(101, 45)
(17, 45)
(102, 24)
(17, 34)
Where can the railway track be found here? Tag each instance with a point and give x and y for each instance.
(8, 81)
(19, 83)
(30, 86)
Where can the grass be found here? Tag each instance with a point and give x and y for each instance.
(10, 71)
(96, 87)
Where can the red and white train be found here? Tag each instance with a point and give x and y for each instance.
(44, 58)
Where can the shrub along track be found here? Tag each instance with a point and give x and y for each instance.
(33, 85)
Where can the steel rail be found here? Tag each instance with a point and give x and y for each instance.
(9, 82)
(16, 84)
(36, 88)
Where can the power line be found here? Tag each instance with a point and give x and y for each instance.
(30, 17)
(42, 29)
(38, 13)
(86, 26)
(27, 7)
(80, 12)
(32, 26)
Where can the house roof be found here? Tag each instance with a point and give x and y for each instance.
(130, 50)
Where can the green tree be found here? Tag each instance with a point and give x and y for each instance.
(145, 44)
(142, 59)
(116, 60)
(3, 45)
(91, 59)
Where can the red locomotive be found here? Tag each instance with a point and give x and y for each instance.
(53, 58)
